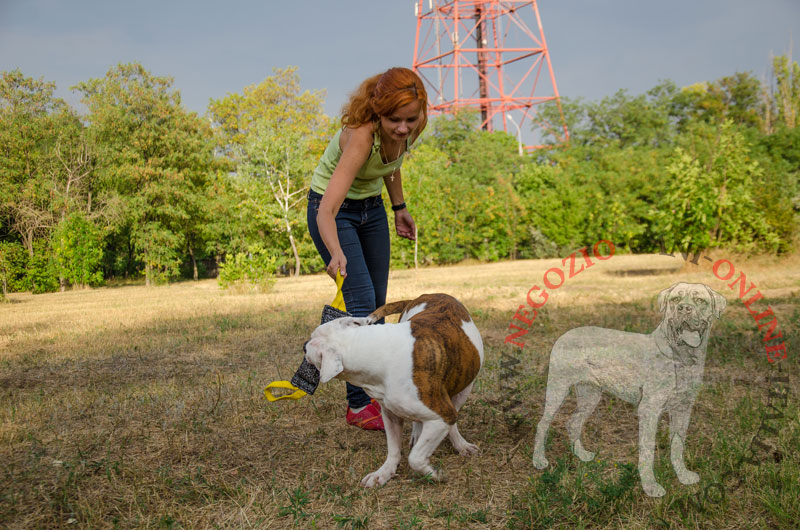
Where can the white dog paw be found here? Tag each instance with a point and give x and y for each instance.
(540, 462)
(580, 452)
(435, 475)
(654, 489)
(377, 478)
(688, 477)
(468, 449)
(427, 471)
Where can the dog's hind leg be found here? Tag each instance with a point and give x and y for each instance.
(557, 390)
(394, 431)
(463, 447)
(433, 432)
(588, 396)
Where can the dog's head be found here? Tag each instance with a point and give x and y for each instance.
(328, 344)
(689, 310)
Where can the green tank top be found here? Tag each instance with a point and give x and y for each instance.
(369, 178)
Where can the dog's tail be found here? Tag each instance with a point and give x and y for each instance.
(388, 309)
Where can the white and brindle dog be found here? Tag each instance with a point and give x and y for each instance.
(655, 372)
(421, 369)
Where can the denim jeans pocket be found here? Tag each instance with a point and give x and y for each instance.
(314, 200)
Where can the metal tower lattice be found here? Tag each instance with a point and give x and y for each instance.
(488, 55)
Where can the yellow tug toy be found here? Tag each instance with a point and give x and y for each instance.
(306, 378)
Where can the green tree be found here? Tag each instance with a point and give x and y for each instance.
(41, 275)
(709, 202)
(741, 96)
(277, 100)
(78, 249)
(437, 200)
(787, 90)
(555, 212)
(737, 97)
(777, 190)
(30, 121)
(643, 120)
(574, 112)
(253, 270)
(621, 120)
(46, 167)
(458, 184)
(272, 135)
(276, 167)
(13, 266)
(154, 158)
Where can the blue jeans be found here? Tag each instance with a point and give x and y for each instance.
(363, 231)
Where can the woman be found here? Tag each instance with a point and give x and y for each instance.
(346, 216)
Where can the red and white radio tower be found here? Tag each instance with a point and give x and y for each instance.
(458, 39)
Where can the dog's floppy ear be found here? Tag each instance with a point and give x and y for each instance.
(352, 322)
(327, 360)
(331, 365)
(718, 302)
(663, 296)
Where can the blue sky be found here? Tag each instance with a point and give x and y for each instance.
(212, 48)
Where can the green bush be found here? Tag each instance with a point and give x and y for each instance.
(13, 266)
(253, 270)
(42, 276)
(78, 251)
(158, 247)
(709, 200)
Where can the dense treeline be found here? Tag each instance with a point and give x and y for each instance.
(140, 187)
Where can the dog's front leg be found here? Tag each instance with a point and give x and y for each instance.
(393, 425)
(649, 412)
(678, 425)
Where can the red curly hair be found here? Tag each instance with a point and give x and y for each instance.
(382, 94)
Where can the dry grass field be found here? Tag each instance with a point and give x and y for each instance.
(136, 407)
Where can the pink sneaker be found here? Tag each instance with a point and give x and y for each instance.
(369, 418)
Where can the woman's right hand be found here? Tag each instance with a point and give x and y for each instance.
(338, 262)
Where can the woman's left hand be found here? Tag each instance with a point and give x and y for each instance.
(404, 224)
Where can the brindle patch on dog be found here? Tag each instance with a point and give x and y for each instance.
(445, 359)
